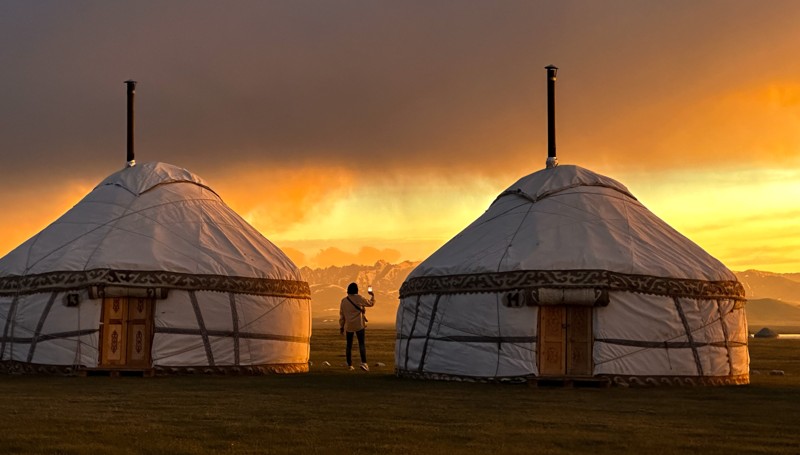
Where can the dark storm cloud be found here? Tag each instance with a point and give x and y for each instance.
(370, 84)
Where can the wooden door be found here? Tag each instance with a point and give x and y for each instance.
(126, 334)
(552, 323)
(139, 330)
(565, 340)
(579, 341)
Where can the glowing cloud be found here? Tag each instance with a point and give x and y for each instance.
(29, 209)
(275, 200)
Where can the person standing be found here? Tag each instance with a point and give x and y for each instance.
(353, 319)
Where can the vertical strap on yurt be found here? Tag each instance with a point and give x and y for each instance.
(499, 335)
(428, 334)
(235, 322)
(725, 334)
(12, 309)
(40, 325)
(689, 336)
(411, 333)
(202, 325)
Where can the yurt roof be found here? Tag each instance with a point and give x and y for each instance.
(152, 217)
(567, 218)
(144, 177)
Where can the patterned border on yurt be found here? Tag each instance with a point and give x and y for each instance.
(677, 381)
(69, 280)
(231, 370)
(403, 373)
(615, 380)
(26, 368)
(604, 279)
(17, 367)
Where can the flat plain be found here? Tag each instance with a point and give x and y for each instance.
(332, 410)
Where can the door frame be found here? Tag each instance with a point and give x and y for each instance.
(126, 321)
(569, 340)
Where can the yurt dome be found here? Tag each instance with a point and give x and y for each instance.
(152, 271)
(568, 275)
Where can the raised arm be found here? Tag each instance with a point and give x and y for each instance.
(371, 300)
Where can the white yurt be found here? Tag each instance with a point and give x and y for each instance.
(151, 271)
(568, 276)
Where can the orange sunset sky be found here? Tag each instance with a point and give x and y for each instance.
(350, 131)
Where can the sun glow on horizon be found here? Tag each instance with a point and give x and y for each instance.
(747, 218)
(411, 216)
(31, 209)
(346, 135)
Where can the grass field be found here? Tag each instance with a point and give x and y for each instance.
(331, 410)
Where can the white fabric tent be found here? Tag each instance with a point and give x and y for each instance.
(568, 275)
(213, 295)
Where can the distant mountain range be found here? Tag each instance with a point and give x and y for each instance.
(763, 285)
(329, 287)
(772, 313)
(774, 298)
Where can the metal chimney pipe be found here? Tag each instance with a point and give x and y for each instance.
(131, 92)
(552, 161)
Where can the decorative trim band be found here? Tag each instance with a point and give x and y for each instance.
(571, 279)
(70, 280)
(677, 381)
(409, 374)
(241, 370)
(616, 380)
(16, 367)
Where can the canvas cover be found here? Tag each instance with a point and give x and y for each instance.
(226, 296)
(663, 309)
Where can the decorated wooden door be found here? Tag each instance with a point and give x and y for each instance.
(565, 340)
(127, 329)
(579, 341)
(552, 325)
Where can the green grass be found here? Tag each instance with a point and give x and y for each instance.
(331, 410)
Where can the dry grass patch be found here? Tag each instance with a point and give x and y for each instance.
(332, 410)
